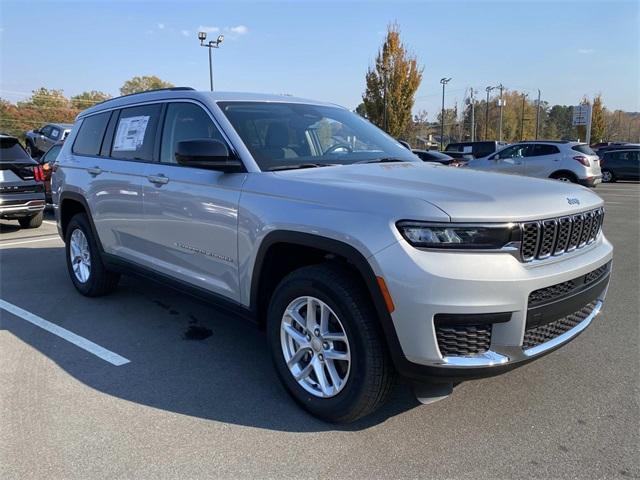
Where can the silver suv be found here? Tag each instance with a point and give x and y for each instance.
(359, 260)
(567, 161)
(38, 141)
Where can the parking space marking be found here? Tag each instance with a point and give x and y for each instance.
(87, 345)
(49, 222)
(20, 242)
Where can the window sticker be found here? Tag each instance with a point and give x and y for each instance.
(130, 133)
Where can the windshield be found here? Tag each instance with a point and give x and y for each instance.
(292, 135)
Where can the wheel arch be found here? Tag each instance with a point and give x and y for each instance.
(319, 248)
(568, 173)
(70, 204)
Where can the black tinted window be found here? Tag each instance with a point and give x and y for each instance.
(135, 133)
(90, 135)
(51, 154)
(185, 121)
(542, 149)
(11, 150)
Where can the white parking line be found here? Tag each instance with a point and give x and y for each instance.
(49, 222)
(77, 340)
(20, 242)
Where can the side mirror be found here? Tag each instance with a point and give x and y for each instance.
(208, 154)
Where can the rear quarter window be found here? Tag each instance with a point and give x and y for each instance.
(584, 149)
(89, 137)
(135, 133)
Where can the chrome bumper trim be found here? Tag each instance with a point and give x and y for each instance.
(30, 206)
(507, 355)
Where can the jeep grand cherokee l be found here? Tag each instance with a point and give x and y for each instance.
(360, 260)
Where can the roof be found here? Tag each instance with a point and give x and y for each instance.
(61, 125)
(559, 142)
(189, 93)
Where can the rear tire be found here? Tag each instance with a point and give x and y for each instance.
(30, 149)
(86, 269)
(608, 177)
(564, 177)
(364, 381)
(33, 221)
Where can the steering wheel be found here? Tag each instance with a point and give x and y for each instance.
(338, 146)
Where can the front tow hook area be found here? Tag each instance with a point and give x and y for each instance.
(427, 393)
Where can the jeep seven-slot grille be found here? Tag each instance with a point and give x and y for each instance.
(543, 333)
(555, 236)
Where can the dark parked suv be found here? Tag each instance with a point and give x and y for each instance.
(620, 163)
(21, 188)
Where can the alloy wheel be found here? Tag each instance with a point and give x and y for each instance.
(80, 255)
(315, 347)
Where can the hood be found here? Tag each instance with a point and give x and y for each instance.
(465, 195)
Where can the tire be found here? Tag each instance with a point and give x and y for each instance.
(30, 149)
(34, 221)
(368, 375)
(98, 279)
(564, 177)
(608, 176)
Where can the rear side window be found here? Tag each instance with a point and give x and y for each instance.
(11, 150)
(135, 133)
(482, 149)
(540, 149)
(90, 135)
(584, 149)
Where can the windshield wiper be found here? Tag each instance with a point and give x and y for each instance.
(300, 165)
(381, 160)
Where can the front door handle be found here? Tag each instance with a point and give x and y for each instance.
(95, 171)
(158, 179)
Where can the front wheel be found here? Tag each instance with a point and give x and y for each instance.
(326, 345)
(86, 269)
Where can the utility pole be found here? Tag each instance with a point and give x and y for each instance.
(524, 98)
(443, 81)
(538, 115)
(486, 112)
(501, 87)
(473, 117)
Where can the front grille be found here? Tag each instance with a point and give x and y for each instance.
(538, 335)
(555, 236)
(559, 290)
(463, 340)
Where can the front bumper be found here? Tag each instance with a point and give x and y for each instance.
(424, 284)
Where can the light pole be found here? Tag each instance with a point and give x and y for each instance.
(486, 112)
(501, 87)
(202, 36)
(443, 81)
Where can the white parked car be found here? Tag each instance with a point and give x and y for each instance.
(562, 160)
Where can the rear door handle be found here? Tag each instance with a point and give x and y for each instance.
(158, 179)
(95, 171)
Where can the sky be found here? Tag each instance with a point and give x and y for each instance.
(321, 50)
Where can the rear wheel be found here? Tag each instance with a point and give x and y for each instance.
(565, 177)
(34, 221)
(29, 148)
(86, 269)
(326, 345)
(607, 176)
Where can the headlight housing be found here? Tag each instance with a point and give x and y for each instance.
(454, 236)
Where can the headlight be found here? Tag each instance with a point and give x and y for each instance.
(462, 236)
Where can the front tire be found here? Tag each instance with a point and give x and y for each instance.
(84, 263)
(34, 221)
(30, 149)
(326, 344)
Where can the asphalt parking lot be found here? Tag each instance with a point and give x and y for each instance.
(194, 393)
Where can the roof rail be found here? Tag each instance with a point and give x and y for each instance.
(146, 91)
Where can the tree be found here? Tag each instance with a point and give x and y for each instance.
(142, 84)
(397, 73)
(598, 123)
(88, 99)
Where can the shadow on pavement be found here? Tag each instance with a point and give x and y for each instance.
(186, 356)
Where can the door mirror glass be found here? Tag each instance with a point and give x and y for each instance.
(208, 154)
